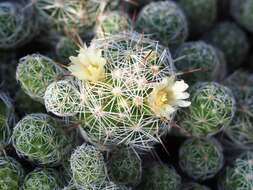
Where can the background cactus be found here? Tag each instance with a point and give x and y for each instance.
(194, 186)
(165, 21)
(11, 174)
(46, 179)
(41, 139)
(201, 159)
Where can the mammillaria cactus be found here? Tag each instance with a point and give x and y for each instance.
(11, 174)
(124, 167)
(35, 72)
(41, 139)
(46, 179)
(227, 36)
(88, 167)
(201, 159)
(241, 10)
(212, 108)
(194, 186)
(201, 14)
(18, 24)
(165, 21)
(239, 176)
(7, 119)
(126, 93)
(199, 55)
(160, 177)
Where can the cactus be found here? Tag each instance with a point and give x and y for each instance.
(160, 177)
(201, 159)
(41, 139)
(18, 24)
(88, 167)
(227, 37)
(239, 176)
(241, 10)
(11, 174)
(34, 73)
(7, 119)
(194, 186)
(123, 106)
(199, 55)
(124, 167)
(112, 186)
(201, 14)
(46, 179)
(212, 109)
(165, 21)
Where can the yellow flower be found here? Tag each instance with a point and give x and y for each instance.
(167, 96)
(88, 65)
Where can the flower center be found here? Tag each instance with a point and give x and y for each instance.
(165, 96)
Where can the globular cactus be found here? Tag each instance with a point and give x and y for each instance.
(18, 24)
(41, 139)
(201, 159)
(194, 186)
(11, 174)
(227, 37)
(201, 14)
(126, 93)
(239, 176)
(124, 167)
(46, 179)
(7, 119)
(160, 177)
(164, 21)
(241, 10)
(35, 72)
(112, 186)
(199, 56)
(88, 168)
(212, 108)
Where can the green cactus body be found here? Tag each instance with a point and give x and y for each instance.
(199, 55)
(34, 73)
(46, 179)
(201, 14)
(194, 186)
(160, 177)
(242, 11)
(239, 176)
(124, 167)
(88, 167)
(164, 21)
(7, 119)
(18, 24)
(212, 108)
(41, 139)
(201, 159)
(227, 37)
(11, 174)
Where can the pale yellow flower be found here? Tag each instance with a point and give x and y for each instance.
(167, 96)
(88, 65)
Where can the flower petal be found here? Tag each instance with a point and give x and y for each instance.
(183, 103)
(180, 86)
(182, 95)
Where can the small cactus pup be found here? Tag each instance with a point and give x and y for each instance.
(65, 14)
(46, 179)
(194, 186)
(200, 14)
(35, 72)
(241, 10)
(164, 21)
(41, 139)
(125, 93)
(88, 167)
(160, 177)
(7, 119)
(112, 23)
(18, 24)
(124, 167)
(200, 57)
(228, 37)
(11, 174)
(212, 108)
(239, 175)
(201, 159)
